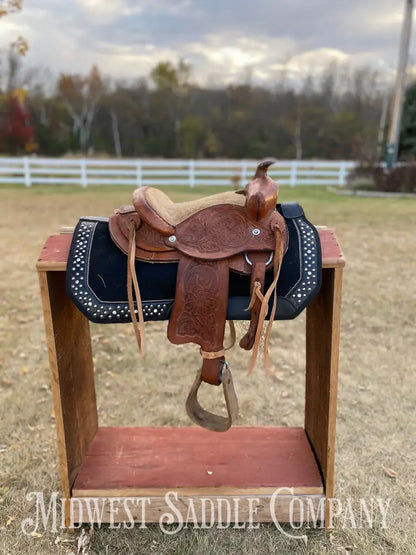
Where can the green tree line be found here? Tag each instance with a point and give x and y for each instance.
(337, 115)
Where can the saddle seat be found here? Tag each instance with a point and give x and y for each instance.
(163, 215)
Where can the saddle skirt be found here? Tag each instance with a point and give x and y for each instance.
(231, 256)
(97, 275)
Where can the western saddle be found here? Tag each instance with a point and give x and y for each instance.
(239, 231)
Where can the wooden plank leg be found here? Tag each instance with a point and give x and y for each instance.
(72, 376)
(322, 356)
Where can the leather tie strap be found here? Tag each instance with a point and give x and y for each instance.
(138, 324)
(207, 419)
(277, 267)
(256, 299)
(256, 294)
(277, 263)
(232, 334)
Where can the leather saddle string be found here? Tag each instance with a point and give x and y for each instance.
(274, 307)
(277, 263)
(138, 324)
(232, 334)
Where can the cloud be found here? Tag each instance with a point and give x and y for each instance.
(223, 41)
(101, 12)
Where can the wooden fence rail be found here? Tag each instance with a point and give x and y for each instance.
(30, 171)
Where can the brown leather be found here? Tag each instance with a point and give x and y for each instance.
(137, 321)
(221, 232)
(149, 215)
(149, 243)
(210, 237)
(211, 370)
(277, 264)
(164, 215)
(200, 307)
(261, 193)
(150, 246)
(256, 292)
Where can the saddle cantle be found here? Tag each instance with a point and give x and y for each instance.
(198, 242)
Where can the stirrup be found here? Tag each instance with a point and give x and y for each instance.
(209, 420)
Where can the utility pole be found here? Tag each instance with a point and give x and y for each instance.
(396, 116)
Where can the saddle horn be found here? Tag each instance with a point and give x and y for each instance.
(261, 192)
(264, 166)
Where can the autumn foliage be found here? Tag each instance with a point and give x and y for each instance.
(10, 6)
(16, 133)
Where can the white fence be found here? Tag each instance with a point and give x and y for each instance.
(84, 172)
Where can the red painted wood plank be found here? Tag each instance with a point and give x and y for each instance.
(56, 249)
(131, 458)
(331, 250)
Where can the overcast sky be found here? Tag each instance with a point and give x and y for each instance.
(222, 40)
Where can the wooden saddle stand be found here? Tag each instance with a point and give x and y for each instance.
(198, 264)
(238, 232)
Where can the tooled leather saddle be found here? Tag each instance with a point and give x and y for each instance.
(205, 249)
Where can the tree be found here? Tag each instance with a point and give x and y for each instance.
(16, 134)
(171, 102)
(81, 96)
(10, 6)
(336, 115)
(49, 118)
(408, 131)
(167, 76)
(16, 51)
(125, 123)
(195, 139)
(18, 48)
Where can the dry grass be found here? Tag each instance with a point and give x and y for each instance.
(376, 410)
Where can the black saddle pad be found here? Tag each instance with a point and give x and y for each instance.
(96, 275)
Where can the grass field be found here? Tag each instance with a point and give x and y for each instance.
(376, 426)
